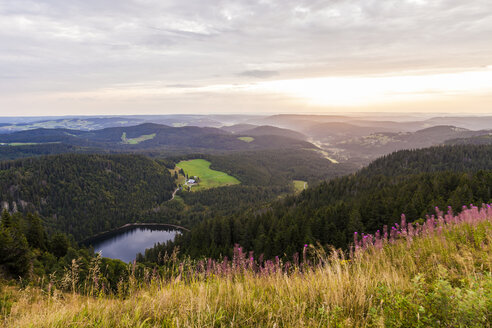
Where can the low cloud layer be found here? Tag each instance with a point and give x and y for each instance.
(91, 53)
(259, 73)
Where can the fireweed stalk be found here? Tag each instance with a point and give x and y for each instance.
(313, 257)
(433, 225)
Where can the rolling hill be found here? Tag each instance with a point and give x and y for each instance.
(263, 130)
(379, 144)
(11, 152)
(338, 131)
(330, 212)
(458, 158)
(97, 123)
(303, 123)
(238, 128)
(485, 139)
(467, 122)
(150, 136)
(266, 130)
(85, 194)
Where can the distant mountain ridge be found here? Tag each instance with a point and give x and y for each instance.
(154, 136)
(333, 131)
(358, 138)
(268, 130)
(238, 128)
(379, 144)
(485, 139)
(96, 123)
(263, 130)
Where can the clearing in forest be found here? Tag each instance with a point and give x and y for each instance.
(13, 144)
(208, 178)
(135, 141)
(246, 139)
(299, 185)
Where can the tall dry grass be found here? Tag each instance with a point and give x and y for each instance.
(438, 279)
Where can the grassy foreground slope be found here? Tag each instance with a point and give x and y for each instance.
(433, 275)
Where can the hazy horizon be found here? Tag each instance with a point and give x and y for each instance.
(407, 115)
(95, 58)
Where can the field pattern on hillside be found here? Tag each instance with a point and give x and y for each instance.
(246, 139)
(136, 141)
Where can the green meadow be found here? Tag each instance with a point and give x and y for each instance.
(208, 178)
(135, 141)
(246, 139)
(19, 144)
(299, 185)
(25, 143)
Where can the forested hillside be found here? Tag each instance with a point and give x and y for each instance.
(379, 144)
(277, 166)
(267, 130)
(85, 194)
(440, 158)
(28, 252)
(22, 151)
(400, 265)
(479, 140)
(151, 136)
(329, 213)
(264, 176)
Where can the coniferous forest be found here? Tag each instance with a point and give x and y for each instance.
(406, 182)
(82, 195)
(53, 204)
(78, 196)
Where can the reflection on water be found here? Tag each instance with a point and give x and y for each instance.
(126, 245)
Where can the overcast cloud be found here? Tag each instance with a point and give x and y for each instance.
(101, 56)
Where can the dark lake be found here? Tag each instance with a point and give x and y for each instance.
(128, 243)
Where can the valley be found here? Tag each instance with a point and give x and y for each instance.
(274, 190)
(268, 163)
(359, 139)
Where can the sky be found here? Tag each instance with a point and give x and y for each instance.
(94, 57)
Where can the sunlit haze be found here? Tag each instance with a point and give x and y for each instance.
(162, 57)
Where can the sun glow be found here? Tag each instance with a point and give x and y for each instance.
(357, 91)
(431, 91)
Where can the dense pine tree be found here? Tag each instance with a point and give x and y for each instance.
(409, 182)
